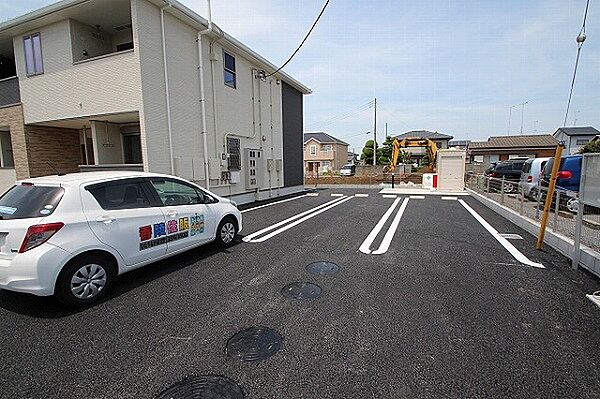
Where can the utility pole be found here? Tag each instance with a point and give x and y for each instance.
(375, 133)
(386, 135)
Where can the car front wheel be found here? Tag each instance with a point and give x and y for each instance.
(84, 281)
(226, 232)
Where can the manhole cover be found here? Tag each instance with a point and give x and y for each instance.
(301, 291)
(203, 387)
(254, 344)
(322, 268)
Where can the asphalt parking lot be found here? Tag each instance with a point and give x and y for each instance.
(446, 311)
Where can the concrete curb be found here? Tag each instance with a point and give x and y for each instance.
(590, 259)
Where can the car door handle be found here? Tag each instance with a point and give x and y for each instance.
(171, 214)
(105, 219)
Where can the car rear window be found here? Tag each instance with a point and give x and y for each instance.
(527, 166)
(29, 201)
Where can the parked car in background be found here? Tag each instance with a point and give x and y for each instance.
(348, 170)
(568, 180)
(509, 172)
(71, 235)
(490, 168)
(530, 176)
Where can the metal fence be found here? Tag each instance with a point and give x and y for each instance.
(529, 202)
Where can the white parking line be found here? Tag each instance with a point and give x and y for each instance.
(449, 198)
(365, 247)
(503, 241)
(272, 203)
(359, 195)
(389, 235)
(312, 194)
(337, 195)
(248, 238)
(595, 298)
(389, 196)
(417, 197)
(510, 236)
(297, 222)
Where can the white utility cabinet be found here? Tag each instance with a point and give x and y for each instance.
(451, 169)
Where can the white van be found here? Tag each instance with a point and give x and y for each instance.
(530, 176)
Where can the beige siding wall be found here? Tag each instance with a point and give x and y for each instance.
(102, 86)
(239, 112)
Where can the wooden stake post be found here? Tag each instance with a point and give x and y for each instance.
(549, 196)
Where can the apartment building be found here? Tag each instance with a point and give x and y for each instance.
(145, 85)
(575, 138)
(324, 153)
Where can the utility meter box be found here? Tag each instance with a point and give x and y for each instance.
(254, 165)
(451, 169)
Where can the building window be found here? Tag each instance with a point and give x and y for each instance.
(313, 150)
(229, 70)
(234, 161)
(33, 54)
(6, 156)
(582, 141)
(478, 159)
(327, 147)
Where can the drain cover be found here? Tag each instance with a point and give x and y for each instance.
(203, 387)
(301, 291)
(254, 344)
(322, 268)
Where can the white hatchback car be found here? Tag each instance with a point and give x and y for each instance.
(71, 235)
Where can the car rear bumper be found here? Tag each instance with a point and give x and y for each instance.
(34, 271)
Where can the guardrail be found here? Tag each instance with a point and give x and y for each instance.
(530, 204)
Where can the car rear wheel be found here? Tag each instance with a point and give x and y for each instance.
(226, 232)
(509, 187)
(84, 281)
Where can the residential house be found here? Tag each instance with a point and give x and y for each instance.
(575, 138)
(460, 144)
(417, 153)
(324, 153)
(502, 148)
(145, 85)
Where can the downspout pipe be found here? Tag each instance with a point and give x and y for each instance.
(208, 30)
(166, 76)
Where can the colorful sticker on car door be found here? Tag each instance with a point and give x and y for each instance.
(197, 222)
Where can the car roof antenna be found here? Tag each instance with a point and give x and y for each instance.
(58, 173)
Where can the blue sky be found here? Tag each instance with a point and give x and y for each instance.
(452, 66)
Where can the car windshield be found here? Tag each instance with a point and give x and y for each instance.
(29, 201)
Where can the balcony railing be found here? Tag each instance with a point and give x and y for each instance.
(9, 91)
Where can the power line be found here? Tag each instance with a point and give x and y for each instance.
(350, 113)
(304, 40)
(580, 39)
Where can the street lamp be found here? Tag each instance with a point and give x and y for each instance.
(522, 112)
(522, 105)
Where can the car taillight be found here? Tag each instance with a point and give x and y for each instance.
(529, 179)
(493, 174)
(564, 174)
(39, 234)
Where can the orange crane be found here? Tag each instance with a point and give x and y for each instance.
(397, 145)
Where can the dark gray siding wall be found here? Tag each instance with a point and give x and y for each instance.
(9, 92)
(293, 146)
